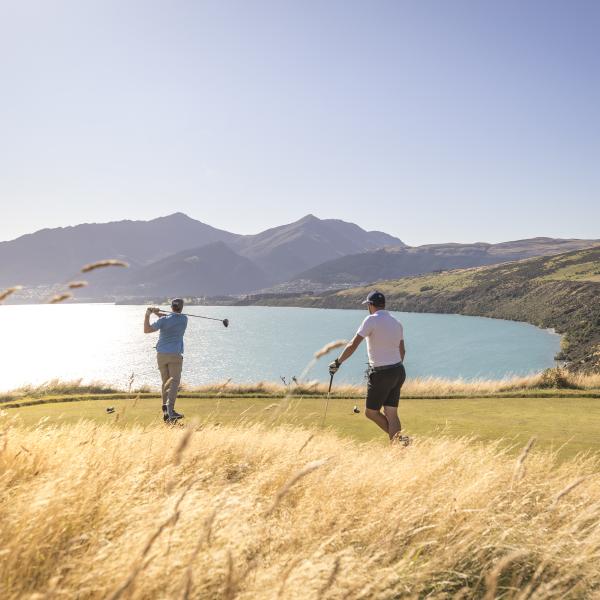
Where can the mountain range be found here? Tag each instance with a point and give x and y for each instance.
(395, 262)
(179, 255)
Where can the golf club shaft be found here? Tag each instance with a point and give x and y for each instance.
(170, 312)
(327, 402)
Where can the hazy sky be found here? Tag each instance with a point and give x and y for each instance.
(431, 120)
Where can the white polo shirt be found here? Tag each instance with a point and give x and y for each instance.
(384, 334)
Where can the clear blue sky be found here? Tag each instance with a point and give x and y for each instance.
(432, 120)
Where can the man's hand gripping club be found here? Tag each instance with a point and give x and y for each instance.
(334, 367)
(149, 311)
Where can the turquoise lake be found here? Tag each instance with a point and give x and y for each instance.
(106, 342)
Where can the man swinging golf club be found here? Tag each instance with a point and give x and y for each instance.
(169, 353)
(385, 347)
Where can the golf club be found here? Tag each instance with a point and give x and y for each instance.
(170, 312)
(327, 401)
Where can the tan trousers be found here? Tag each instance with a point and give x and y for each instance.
(170, 366)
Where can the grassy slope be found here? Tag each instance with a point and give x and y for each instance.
(393, 262)
(562, 292)
(93, 511)
(555, 421)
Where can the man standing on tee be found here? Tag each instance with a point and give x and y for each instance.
(169, 353)
(385, 347)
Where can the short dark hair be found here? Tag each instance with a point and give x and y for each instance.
(177, 304)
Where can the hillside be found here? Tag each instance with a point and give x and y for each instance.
(394, 262)
(54, 255)
(213, 269)
(562, 292)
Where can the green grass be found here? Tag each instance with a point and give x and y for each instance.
(571, 424)
(575, 272)
(449, 281)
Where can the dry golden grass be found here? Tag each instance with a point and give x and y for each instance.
(58, 387)
(58, 298)
(4, 294)
(102, 264)
(552, 378)
(428, 387)
(329, 348)
(93, 511)
(414, 387)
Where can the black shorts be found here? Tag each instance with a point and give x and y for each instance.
(383, 387)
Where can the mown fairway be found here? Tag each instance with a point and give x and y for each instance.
(571, 424)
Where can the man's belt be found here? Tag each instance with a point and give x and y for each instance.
(386, 367)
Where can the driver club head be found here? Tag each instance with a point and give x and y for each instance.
(226, 322)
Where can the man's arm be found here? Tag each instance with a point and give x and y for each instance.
(147, 327)
(350, 348)
(402, 350)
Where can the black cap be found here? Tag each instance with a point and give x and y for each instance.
(376, 298)
(177, 303)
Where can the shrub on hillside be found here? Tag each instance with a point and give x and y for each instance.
(557, 378)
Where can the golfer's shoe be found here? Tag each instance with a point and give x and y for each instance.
(401, 440)
(173, 417)
(172, 420)
(165, 413)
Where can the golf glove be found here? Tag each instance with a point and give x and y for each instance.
(334, 367)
